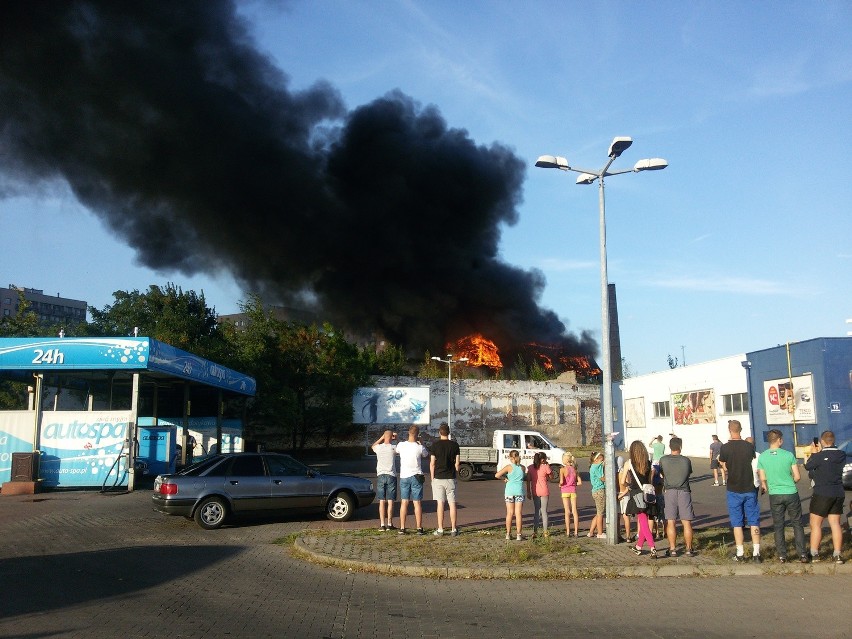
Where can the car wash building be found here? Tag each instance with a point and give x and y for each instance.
(106, 411)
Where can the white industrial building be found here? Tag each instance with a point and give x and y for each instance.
(694, 402)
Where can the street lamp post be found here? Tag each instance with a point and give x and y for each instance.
(618, 146)
(449, 362)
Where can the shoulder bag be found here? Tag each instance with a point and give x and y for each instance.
(646, 493)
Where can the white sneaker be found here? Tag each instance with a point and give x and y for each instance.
(715, 483)
(438, 532)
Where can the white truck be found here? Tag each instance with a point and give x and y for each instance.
(484, 459)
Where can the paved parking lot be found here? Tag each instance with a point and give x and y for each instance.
(83, 564)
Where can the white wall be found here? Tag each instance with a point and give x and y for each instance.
(722, 376)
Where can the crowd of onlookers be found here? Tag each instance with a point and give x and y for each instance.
(653, 491)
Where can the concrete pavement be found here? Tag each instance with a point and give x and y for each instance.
(82, 564)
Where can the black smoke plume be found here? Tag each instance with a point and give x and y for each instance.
(169, 124)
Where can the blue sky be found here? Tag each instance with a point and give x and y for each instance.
(742, 243)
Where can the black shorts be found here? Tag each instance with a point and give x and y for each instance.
(823, 506)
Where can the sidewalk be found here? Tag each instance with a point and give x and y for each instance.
(486, 554)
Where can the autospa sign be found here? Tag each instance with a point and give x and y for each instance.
(81, 448)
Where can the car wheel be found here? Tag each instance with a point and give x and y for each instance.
(465, 472)
(340, 507)
(211, 513)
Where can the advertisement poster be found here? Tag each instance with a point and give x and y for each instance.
(396, 405)
(789, 399)
(16, 436)
(694, 407)
(634, 412)
(80, 448)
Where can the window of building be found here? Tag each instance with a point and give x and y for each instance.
(662, 409)
(735, 403)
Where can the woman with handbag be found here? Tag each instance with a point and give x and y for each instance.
(638, 485)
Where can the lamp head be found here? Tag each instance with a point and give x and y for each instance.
(586, 178)
(552, 162)
(651, 164)
(619, 146)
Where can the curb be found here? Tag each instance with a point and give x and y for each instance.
(658, 570)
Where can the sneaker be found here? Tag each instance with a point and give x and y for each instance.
(420, 532)
(601, 536)
(815, 559)
(454, 532)
(653, 553)
(715, 483)
(782, 560)
(838, 559)
(804, 559)
(689, 553)
(757, 559)
(519, 538)
(382, 528)
(401, 531)
(636, 551)
(508, 536)
(724, 483)
(740, 559)
(670, 553)
(390, 527)
(438, 532)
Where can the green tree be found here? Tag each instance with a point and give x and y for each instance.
(24, 323)
(430, 369)
(537, 372)
(305, 375)
(13, 395)
(167, 314)
(390, 360)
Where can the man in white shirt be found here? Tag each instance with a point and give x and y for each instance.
(411, 478)
(385, 450)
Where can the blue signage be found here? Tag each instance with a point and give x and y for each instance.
(125, 353)
(60, 353)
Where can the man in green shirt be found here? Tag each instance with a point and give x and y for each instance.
(658, 449)
(779, 472)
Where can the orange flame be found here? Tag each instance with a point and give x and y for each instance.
(479, 351)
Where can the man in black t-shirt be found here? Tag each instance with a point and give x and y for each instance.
(736, 456)
(444, 466)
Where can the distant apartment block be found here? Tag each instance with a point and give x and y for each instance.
(49, 309)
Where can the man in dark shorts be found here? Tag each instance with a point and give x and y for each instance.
(736, 456)
(825, 466)
(715, 466)
(676, 470)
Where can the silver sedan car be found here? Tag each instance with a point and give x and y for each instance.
(239, 483)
